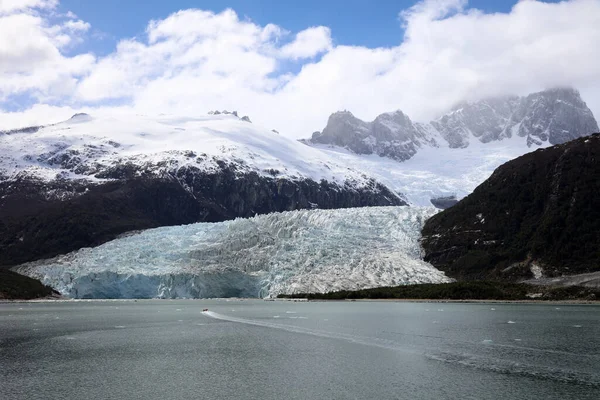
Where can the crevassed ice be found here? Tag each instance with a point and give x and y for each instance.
(290, 252)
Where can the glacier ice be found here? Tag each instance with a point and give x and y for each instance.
(290, 252)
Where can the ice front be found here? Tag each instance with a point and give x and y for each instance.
(290, 252)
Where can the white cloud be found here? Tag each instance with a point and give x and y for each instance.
(8, 6)
(31, 58)
(194, 61)
(308, 43)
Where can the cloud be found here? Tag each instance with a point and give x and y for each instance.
(31, 52)
(9, 6)
(193, 61)
(308, 43)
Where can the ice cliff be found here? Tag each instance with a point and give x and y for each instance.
(290, 252)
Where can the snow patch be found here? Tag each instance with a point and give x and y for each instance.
(433, 171)
(537, 271)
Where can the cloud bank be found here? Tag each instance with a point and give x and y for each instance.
(194, 61)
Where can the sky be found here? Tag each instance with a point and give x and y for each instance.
(288, 65)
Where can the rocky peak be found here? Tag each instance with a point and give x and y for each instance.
(552, 116)
(485, 120)
(555, 116)
(391, 135)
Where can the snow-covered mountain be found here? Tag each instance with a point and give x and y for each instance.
(290, 252)
(95, 177)
(540, 119)
(96, 149)
(68, 190)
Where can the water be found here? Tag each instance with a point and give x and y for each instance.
(159, 349)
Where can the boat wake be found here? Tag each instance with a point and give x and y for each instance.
(363, 340)
(463, 359)
(510, 367)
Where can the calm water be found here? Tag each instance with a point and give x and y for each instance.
(284, 350)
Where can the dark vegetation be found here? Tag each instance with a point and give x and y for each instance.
(41, 220)
(542, 208)
(14, 286)
(474, 290)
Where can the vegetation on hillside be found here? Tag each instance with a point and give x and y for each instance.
(474, 290)
(542, 208)
(14, 286)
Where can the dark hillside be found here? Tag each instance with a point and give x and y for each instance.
(14, 286)
(541, 209)
(41, 220)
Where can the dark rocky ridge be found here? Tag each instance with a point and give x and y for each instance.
(19, 287)
(539, 210)
(44, 219)
(554, 116)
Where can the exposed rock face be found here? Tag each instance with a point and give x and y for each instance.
(554, 116)
(444, 202)
(391, 135)
(485, 120)
(42, 219)
(536, 216)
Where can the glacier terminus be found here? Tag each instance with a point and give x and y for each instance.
(289, 252)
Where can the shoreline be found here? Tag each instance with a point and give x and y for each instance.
(532, 301)
(303, 300)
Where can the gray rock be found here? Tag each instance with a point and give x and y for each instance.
(391, 135)
(444, 202)
(554, 116)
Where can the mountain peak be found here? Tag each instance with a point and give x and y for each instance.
(79, 117)
(552, 116)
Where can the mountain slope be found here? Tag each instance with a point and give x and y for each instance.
(536, 216)
(85, 181)
(15, 286)
(550, 117)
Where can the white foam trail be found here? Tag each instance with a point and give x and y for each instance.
(363, 340)
(509, 367)
(369, 341)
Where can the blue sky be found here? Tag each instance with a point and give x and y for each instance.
(352, 22)
(288, 65)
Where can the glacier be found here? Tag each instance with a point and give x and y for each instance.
(263, 256)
